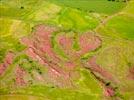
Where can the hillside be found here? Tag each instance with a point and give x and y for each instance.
(66, 50)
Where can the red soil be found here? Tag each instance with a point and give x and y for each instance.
(70, 65)
(131, 73)
(66, 42)
(98, 69)
(104, 75)
(20, 76)
(7, 61)
(27, 41)
(40, 44)
(59, 77)
(40, 49)
(88, 42)
(109, 91)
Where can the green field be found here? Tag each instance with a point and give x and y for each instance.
(120, 25)
(100, 6)
(123, 25)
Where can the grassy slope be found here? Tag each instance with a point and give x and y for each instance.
(76, 20)
(116, 54)
(72, 19)
(21, 97)
(10, 32)
(25, 15)
(100, 6)
(19, 22)
(120, 25)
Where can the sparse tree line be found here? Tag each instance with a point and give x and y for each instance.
(119, 0)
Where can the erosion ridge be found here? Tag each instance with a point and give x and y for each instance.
(39, 49)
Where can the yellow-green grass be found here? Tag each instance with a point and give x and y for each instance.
(32, 11)
(21, 97)
(10, 33)
(116, 57)
(38, 12)
(121, 26)
(130, 8)
(84, 91)
(76, 20)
